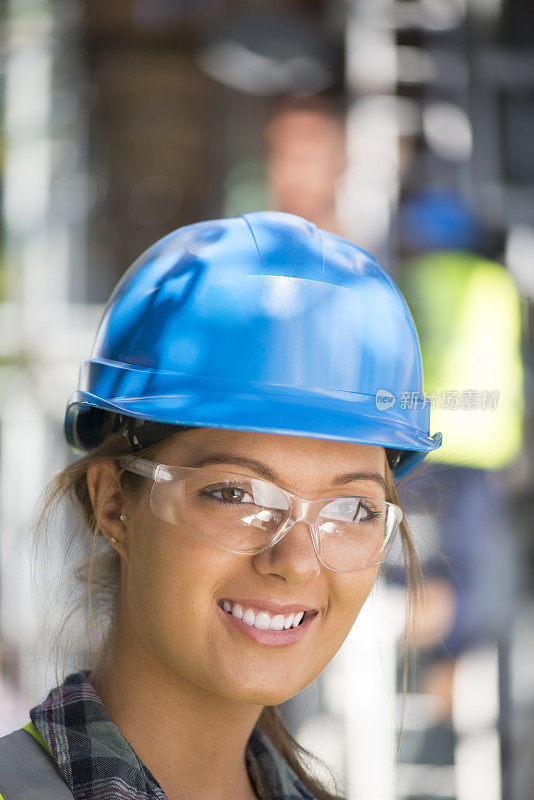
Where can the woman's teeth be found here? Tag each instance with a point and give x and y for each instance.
(262, 619)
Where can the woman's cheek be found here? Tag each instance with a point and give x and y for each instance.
(350, 595)
(171, 580)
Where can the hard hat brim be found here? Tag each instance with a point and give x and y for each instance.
(317, 413)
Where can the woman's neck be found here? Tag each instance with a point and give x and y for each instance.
(192, 740)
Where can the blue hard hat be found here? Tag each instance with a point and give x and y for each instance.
(262, 323)
(438, 220)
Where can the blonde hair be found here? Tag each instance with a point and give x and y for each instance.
(95, 573)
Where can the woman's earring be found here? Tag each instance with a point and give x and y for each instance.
(112, 539)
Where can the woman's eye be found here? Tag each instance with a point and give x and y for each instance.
(229, 494)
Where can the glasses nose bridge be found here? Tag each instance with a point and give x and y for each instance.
(303, 510)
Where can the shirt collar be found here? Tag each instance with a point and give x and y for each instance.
(96, 761)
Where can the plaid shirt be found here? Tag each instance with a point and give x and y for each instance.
(97, 762)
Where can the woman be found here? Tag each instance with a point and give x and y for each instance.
(243, 427)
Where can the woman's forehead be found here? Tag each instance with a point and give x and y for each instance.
(279, 451)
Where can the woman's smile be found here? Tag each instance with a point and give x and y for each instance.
(263, 627)
(256, 627)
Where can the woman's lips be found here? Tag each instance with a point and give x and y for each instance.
(268, 636)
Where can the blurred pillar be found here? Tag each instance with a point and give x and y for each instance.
(372, 178)
(368, 658)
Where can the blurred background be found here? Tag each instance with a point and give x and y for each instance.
(406, 126)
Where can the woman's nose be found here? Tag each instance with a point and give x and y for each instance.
(293, 557)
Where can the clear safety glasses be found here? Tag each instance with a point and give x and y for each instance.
(248, 515)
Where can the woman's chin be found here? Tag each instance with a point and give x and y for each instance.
(266, 692)
(265, 697)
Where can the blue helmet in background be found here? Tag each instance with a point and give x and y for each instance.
(438, 219)
(262, 323)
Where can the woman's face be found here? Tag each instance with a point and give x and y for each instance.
(173, 583)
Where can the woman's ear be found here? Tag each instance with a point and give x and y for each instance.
(108, 503)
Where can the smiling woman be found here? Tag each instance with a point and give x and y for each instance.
(235, 501)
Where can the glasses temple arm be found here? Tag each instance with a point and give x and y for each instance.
(148, 469)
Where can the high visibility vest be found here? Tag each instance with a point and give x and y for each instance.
(469, 318)
(27, 769)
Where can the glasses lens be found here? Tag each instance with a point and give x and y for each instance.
(239, 513)
(355, 532)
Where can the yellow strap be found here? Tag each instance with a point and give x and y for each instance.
(30, 727)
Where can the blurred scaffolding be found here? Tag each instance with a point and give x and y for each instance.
(124, 121)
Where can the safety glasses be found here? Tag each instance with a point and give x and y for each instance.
(247, 515)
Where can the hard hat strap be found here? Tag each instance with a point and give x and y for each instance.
(393, 457)
(141, 433)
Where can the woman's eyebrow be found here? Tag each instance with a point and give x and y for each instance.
(267, 473)
(362, 475)
(239, 461)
